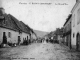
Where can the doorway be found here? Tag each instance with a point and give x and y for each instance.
(4, 38)
(27, 37)
(78, 42)
(19, 40)
(70, 41)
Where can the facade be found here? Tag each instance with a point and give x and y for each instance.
(12, 30)
(67, 31)
(76, 26)
(33, 35)
(58, 35)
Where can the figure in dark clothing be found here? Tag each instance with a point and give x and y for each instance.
(47, 40)
(4, 38)
(19, 40)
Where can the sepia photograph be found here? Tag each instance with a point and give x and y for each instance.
(39, 29)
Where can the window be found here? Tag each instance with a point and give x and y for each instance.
(64, 30)
(78, 16)
(23, 39)
(73, 35)
(68, 27)
(1, 13)
(73, 20)
(9, 34)
(4, 33)
(4, 21)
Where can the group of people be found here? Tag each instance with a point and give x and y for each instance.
(26, 42)
(51, 41)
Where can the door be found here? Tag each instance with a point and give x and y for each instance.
(70, 41)
(27, 37)
(4, 38)
(19, 40)
(78, 42)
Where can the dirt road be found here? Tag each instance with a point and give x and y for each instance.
(38, 51)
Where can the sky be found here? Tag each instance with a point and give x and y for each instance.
(43, 15)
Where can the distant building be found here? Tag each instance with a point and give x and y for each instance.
(67, 31)
(58, 35)
(33, 35)
(76, 26)
(12, 30)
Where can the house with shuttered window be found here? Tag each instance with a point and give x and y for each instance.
(13, 29)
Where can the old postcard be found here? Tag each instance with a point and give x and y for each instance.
(39, 30)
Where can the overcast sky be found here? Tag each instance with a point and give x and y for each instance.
(44, 15)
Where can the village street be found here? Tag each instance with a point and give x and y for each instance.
(38, 51)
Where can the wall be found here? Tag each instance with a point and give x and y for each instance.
(76, 28)
(67, 29)
(68, 25)
(24, 35)
(14, 35)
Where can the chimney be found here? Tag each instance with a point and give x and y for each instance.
(77, 0)
(2, 11)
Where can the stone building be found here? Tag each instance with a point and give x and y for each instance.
(12, 29)
(76, 26)
(58, 35)
(67, 31)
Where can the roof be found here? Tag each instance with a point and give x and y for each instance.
(30, 29)
(59, 31)
(1, 13)
(12, 23)
(75, 6)
(16, 21)
(19, 24)
(8, 23)
(1, 8)
(1, 17)
(70, 15)
(24, 28)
